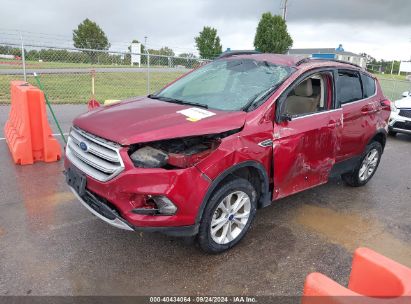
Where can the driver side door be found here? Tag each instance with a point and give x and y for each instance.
(307, 134)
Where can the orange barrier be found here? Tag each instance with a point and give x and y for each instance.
(374, 279)
(27, 131)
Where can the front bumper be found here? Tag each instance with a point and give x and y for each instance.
(95, 207)
(399, 123)
(124, 191)
(101, 211)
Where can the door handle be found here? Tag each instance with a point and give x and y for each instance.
(334, 123)
(368, 109)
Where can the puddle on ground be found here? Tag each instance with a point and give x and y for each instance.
(51, 199)
(41, 210)
(351, 231)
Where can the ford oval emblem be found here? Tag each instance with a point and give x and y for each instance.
(83, 146)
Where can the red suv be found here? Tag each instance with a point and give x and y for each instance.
(199, 157)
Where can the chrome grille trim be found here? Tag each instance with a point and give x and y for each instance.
(99, 151)
(101, 160)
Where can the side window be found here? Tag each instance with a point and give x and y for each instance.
(348, 87)
(368, 84)
(309, 96)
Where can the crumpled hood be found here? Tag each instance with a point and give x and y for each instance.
(145, 119)
(403, 103)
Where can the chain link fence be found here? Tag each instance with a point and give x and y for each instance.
(394, 87)
(70, 76)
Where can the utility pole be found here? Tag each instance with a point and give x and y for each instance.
(23, 57)
(285, 10)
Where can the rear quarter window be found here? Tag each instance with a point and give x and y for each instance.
(368, 85)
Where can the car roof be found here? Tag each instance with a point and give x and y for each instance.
(297, 62)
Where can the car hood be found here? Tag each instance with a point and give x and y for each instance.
(403, 103)
(145, 119)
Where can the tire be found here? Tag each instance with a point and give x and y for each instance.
(361, 175)
(392, 133)
(234, 224)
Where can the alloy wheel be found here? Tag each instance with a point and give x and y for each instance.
(368, 165)
(230, 217)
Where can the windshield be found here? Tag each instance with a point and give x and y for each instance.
(229, 84)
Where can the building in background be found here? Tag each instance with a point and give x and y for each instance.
(331, 53)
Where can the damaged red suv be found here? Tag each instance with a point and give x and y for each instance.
(199, 157)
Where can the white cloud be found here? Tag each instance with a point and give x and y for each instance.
(378, 27)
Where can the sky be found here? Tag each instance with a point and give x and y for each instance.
(381, 28)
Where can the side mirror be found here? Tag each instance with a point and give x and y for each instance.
(406, 94)
(286, 117)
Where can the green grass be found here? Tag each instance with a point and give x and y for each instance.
(394, 88)
(390, 76)
(76, 88)
(393, 85)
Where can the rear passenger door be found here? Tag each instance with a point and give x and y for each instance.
(359, 112)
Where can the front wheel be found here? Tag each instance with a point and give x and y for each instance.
(366, 168)
(227, 216)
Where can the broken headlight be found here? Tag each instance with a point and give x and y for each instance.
(175, 153)
(149, 157)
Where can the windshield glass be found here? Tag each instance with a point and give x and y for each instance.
(226, 84)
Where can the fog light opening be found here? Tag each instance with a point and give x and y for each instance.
(164, 205)
(156, 205)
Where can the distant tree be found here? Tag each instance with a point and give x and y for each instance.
(189, 60)
(162, 61)
(368, 58)
(164, 51)
(187, 55)
(272, 35)
(208, 43)
(89, 35)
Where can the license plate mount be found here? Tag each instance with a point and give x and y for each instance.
(77, 180)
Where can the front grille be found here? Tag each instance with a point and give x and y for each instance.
(402, 125)
(405, 113)
(93, 155)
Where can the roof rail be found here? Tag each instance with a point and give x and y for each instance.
(308, 59)
(240, 52)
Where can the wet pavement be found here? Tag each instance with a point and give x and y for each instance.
(51, 245)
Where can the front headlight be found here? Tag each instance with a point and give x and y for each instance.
(149, 157)
(177, 152)
(174, 153)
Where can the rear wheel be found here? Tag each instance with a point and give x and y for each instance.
(367, 166)
(228, 216)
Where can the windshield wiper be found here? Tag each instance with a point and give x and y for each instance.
(179, 101)
(261, 96)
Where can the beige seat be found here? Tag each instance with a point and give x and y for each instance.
(303, 101)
